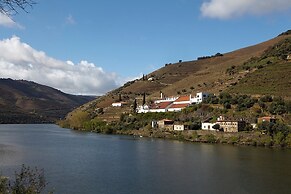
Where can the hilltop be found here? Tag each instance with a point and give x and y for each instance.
(28, 102)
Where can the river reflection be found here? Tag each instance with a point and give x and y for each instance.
(77, 162)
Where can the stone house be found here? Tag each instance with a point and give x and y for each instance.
(166, 124)
(231, 126)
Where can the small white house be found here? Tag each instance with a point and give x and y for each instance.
(118, 104)
(208, 126)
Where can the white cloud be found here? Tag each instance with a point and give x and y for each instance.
(18, 60)
(70, 20)
(8, 22)
(226, 9)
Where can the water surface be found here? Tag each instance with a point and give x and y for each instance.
(77, 162)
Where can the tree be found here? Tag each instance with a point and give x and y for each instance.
(11, 7)
(227, 105)
(134, 106)
(119, 97)
(216, 126)
(26, 181)
(144, 99)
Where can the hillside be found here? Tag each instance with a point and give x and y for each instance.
(28, 102)
(255, 70)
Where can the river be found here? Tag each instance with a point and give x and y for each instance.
(78, 162)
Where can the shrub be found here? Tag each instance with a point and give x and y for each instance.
(30, 181)
(233, 140)
(288, 140)
(227, 105)
(196, 136)
(278, 139)
(224, 97)
(210, 138)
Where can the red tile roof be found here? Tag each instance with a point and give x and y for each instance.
(179, 105)
(161, 105)
(183, 98)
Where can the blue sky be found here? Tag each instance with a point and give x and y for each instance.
(119, 40)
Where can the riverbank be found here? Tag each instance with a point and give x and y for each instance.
(249, 138)
(244, 138)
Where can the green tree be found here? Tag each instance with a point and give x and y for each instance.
(224, 97)
(266, 98)
(78, 118)
(227, 105)
(144, 98)
(216, 126)
(134, 106)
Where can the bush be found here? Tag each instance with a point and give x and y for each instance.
(266, 98)
(233, 140)
(227, 105)
(210, 138)
(288, 140)
(224, 97)
(279, 139)
(196, 136)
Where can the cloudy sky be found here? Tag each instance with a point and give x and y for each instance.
(91, 47)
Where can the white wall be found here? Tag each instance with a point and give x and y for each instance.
(208, 126)
(179, 127)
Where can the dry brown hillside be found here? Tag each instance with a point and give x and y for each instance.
(214, 74)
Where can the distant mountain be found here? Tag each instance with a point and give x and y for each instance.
(28, 102)
(255, 70)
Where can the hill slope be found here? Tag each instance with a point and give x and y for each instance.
(28, 102)
(244, 71)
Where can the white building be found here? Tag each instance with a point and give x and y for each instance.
(200, 97)
(172, 104)
(179, 127)
(118, 104)
(143, 109)
(208, 126)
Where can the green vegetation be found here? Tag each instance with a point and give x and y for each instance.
(242, 102)
(27, 181)
(269, 73)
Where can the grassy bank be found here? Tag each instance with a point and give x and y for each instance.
(250, 138)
